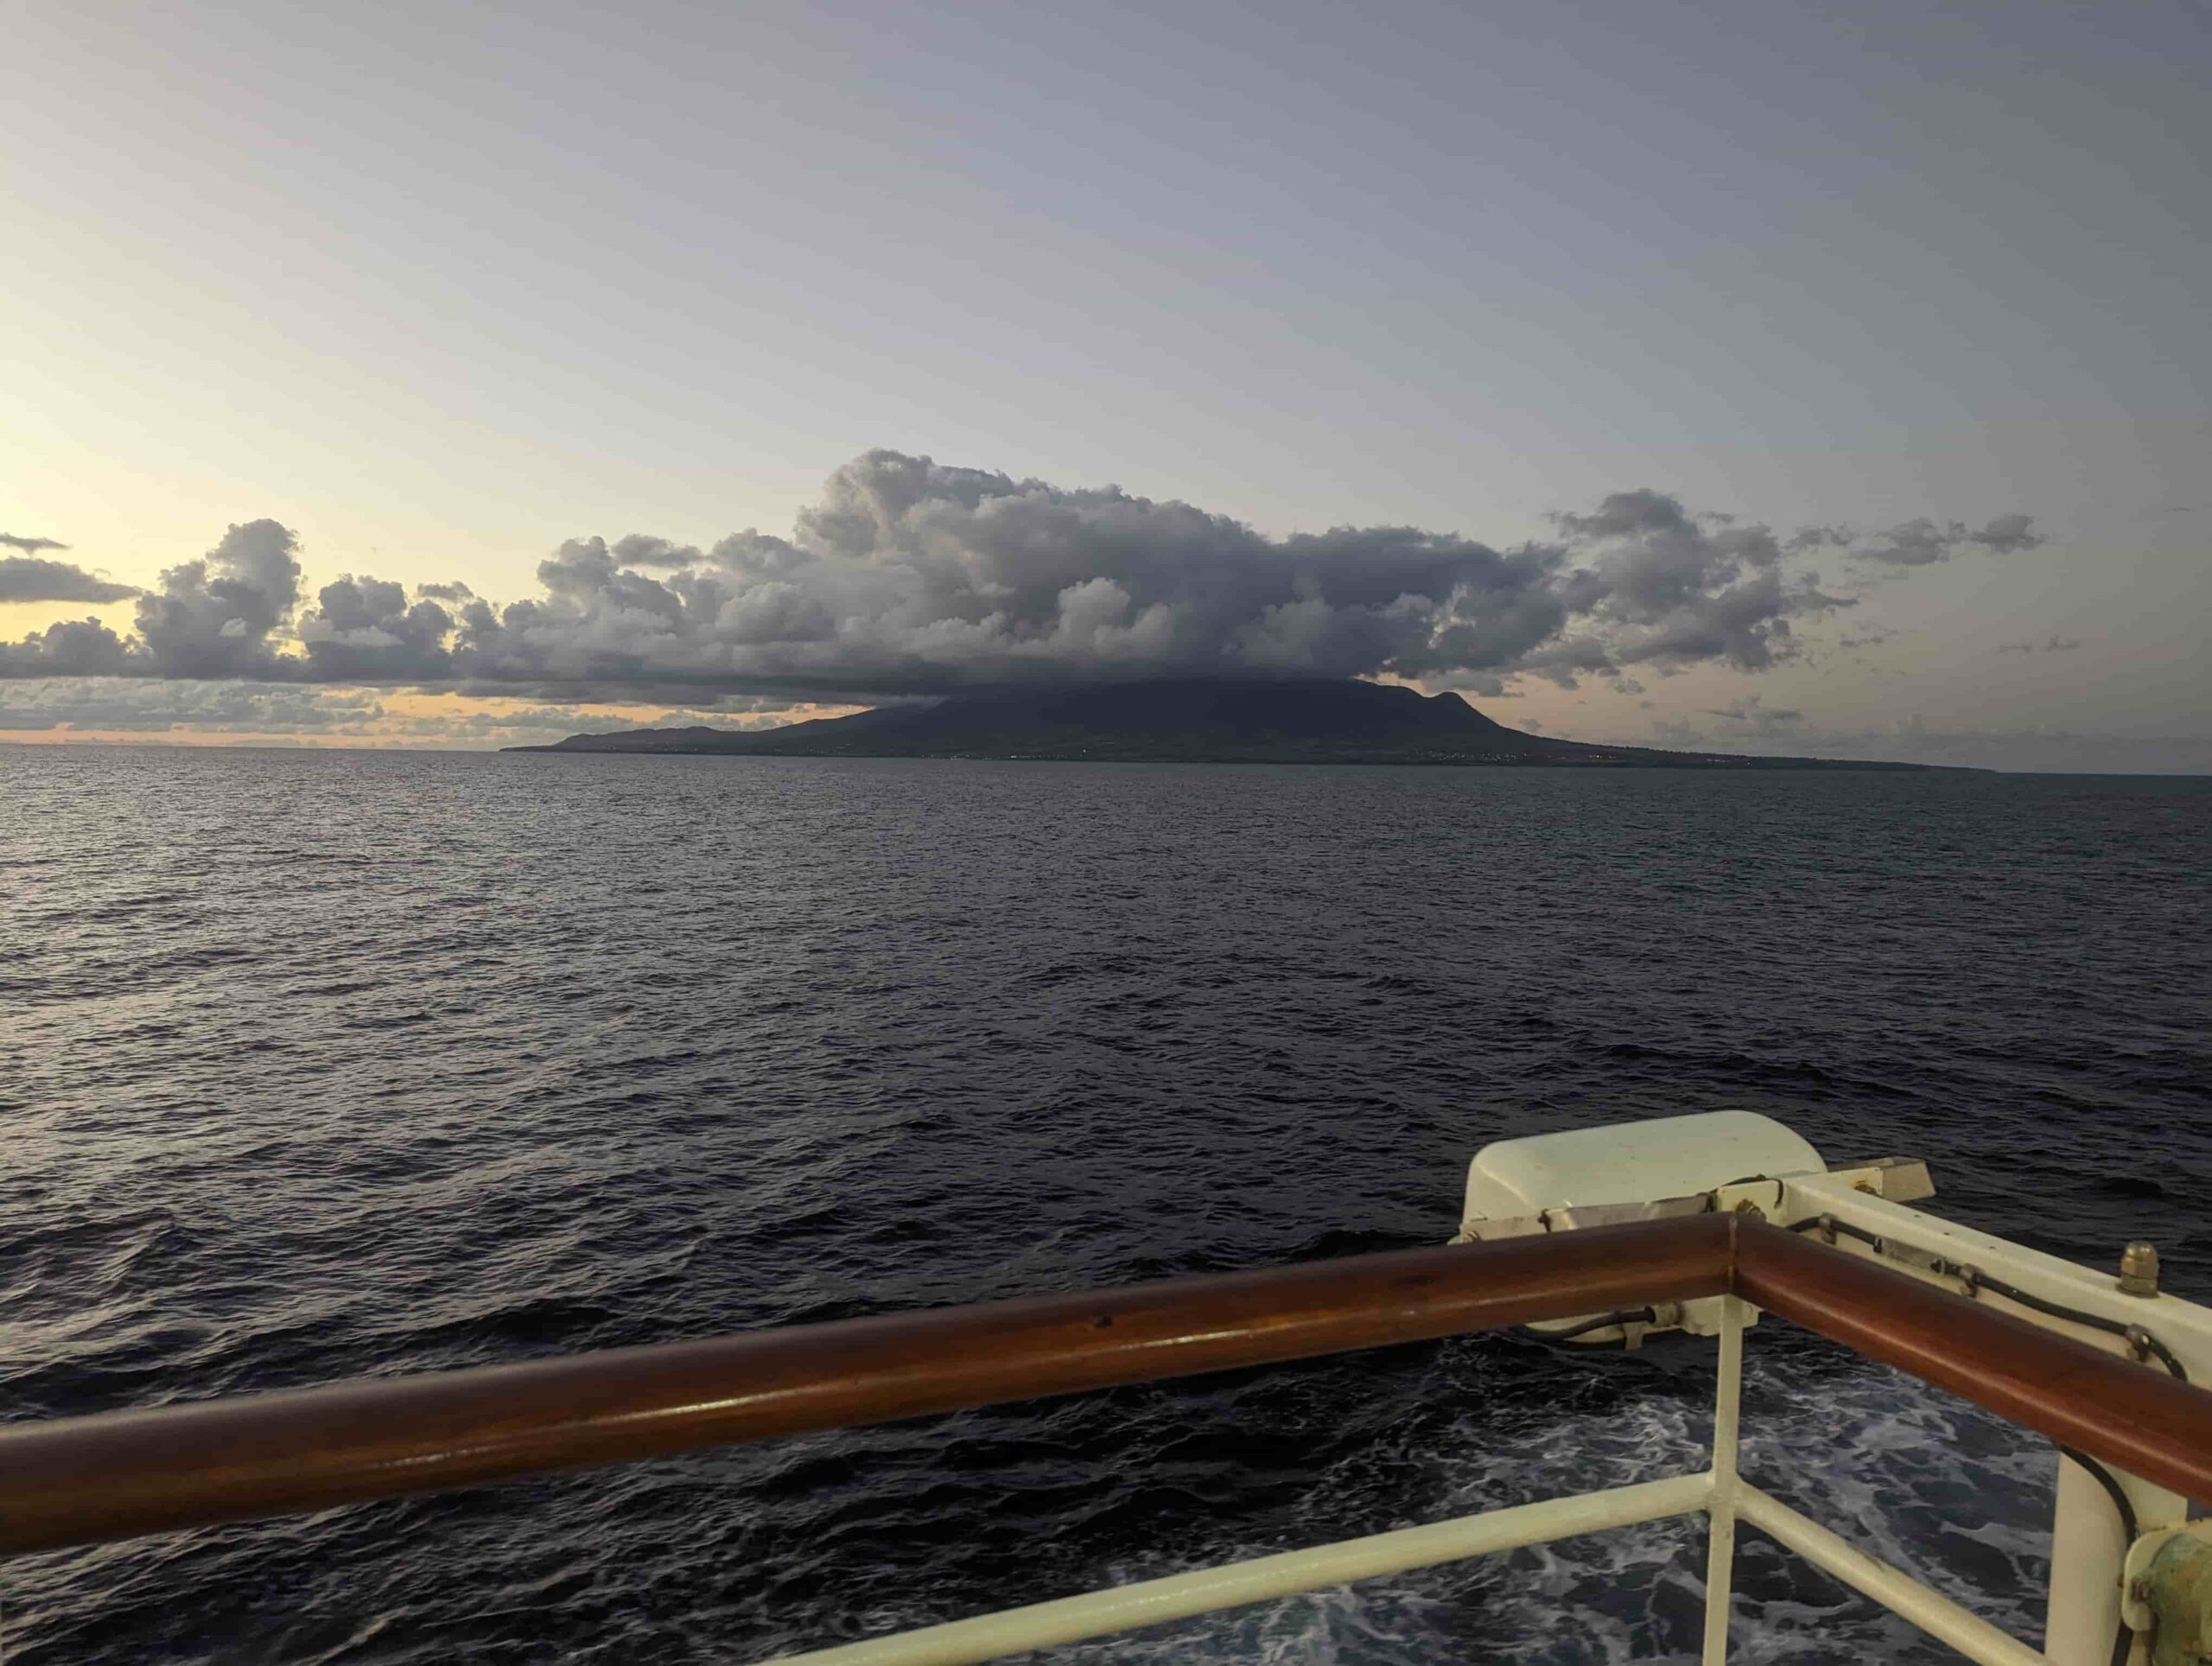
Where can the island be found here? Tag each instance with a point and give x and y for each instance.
(1182, 722)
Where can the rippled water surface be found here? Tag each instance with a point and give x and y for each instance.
(315, 1065)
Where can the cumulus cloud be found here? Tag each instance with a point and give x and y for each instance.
(215, 616)
(34, 578)
(366, 631)
(1668, 588)
(76, 647)
(910, 577)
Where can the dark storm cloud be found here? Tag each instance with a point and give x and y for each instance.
(910, 577)
(30, 546)
(32, 578)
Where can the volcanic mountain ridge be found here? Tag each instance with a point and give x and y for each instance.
(1183, 722)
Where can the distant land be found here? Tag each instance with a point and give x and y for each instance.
(1215, 723)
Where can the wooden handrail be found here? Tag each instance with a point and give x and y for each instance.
(2134, 1415)
(84, 1479)
(109, 1477)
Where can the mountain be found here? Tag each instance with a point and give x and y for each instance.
(1296, 722)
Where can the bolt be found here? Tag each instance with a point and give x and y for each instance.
(1747, 1207)
(2138, 1269)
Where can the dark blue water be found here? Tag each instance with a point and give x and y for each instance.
(314, 1064)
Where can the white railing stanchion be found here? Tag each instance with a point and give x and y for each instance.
(1721, 1508)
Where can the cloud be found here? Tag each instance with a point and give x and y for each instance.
(152, 706)
(1750, 715)
(1865, 636)
(2053, 643)
(1669, 589)
(1923, 542)
(29, 546)
(215, 617)
(909, 577)
(78, 647)
(32, 578)
(366, 631)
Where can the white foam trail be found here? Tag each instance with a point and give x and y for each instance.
(1913, 1475)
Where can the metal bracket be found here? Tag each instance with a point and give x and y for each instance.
(2166, 1592)
(1900, 1180)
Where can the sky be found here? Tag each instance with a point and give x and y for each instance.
(1818, 379)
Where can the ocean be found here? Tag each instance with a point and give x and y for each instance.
(315, 1065)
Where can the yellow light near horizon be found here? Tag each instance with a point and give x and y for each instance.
(400, 709)
(21, 618)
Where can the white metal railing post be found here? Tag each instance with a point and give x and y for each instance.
(2088, 1548)
(1721, 1508)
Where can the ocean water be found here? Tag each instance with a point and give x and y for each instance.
(314, 1064)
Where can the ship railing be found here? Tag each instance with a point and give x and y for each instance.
(2064, 1353)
